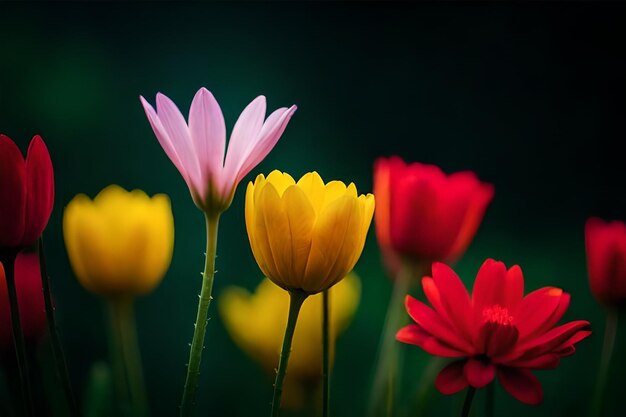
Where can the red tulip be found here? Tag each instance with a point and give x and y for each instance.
(496, 332)
(606, 259)
(423, 214)
(26, 193)
(30, 299)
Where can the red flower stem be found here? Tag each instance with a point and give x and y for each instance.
(296, 300)
(197, 343)
(384, 388)
(610, 332)
(326, 354)
(8, 261)
(53, 330)
(467, 404)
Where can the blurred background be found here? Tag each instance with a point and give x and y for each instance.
(529, 96)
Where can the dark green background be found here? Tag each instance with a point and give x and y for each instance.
(530, 96)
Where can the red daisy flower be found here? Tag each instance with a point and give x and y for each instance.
(496, 331)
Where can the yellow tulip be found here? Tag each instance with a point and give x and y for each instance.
(255, 322)
(121, 243)
(306, 236)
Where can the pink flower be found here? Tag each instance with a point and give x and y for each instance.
(197, 148)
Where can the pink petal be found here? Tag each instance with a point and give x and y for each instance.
(208, 133)
(271, 132)
(479, 374)
(521, 384)
(246, 130)
(451, 379)
(164, 139)
(176, 128)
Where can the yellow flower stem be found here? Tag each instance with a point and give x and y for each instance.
(610, 331)
(326, 353)
(123, 315)
(121, 399)
(197, 344)
(386, 378)
(55, 340)
(8, 261)
(296, 298)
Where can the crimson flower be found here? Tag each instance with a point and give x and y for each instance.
(198, 147)
(606, 259)
(26, 193)
(496, 332)
(423, 214)
(30, 300)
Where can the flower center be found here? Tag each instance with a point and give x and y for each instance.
(498, 334)
(498, 315)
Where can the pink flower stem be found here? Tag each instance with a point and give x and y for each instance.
(197, 343)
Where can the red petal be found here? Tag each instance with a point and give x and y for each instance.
(430, 321)
(473, 217)
(535, 310)
(451, 379)
(413, 334)
(521, 384)
(479, 374)
(548, 342)
(30, 295)
(547, 361)
(12, 194)
(40, 190)
(454, 297)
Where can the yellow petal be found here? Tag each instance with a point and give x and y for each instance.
(313, 186)
(268, 213)
(280, 181)
(328, 239)
(301, 219)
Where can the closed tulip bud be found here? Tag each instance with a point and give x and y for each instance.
(306, 235)
(424, 215)
(121, 243)
(606, 259)
(26, 194)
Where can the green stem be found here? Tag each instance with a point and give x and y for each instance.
(197, 344)
(610, 332)
(491, 399)
(131, 355)
(55, 341)
(326, 353)
(121, 403)
(8, 261)
(386, 378)
(426, 386)
(296, 300)
(467, 404)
